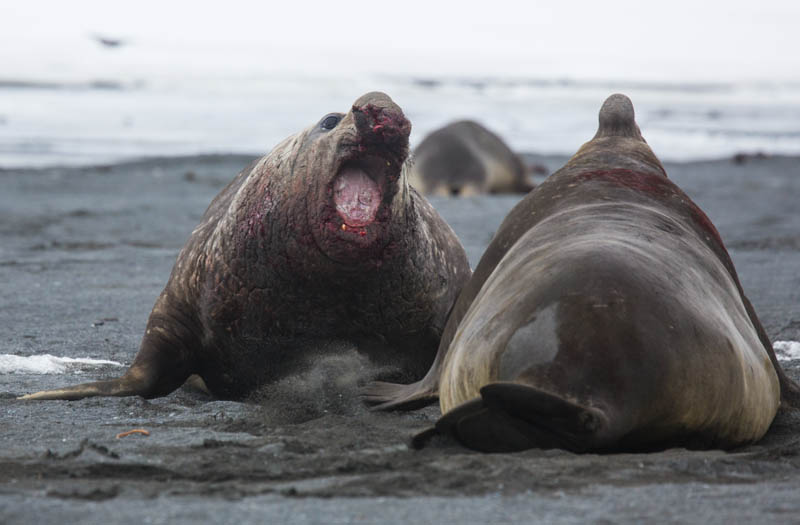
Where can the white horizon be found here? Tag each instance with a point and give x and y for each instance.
(612, 40)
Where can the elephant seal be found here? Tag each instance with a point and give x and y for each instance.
(465, 158)
(606, 314)
(321, 240)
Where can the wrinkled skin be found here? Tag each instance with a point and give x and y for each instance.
(321, 240)
(606, 314)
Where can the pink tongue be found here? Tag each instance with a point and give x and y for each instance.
(356, 197)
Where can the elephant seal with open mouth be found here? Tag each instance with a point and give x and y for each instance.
(321, 240)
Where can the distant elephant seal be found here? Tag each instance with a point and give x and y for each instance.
(465, 158)
(321, 240)
(606, 314)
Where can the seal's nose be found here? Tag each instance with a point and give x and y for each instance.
(379, 120)
(617, 118)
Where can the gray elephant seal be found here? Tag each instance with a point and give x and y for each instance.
(606, 314)
(465, 158)
(320, 240)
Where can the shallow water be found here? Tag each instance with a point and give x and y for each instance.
(91, 122)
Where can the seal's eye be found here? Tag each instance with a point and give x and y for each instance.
(330, 122)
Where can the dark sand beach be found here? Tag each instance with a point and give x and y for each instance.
(84, 252)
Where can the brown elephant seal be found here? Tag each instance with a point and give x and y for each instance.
(465, 158)
(606, 314)
(321, 240)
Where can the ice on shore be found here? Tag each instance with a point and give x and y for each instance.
(48, 364)
(786, 350)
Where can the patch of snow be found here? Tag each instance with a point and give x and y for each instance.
(48, 364)
(786, 350)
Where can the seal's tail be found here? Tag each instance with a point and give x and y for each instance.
(510, 417)
(393, 396)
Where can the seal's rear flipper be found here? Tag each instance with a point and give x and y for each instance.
(510, 417)
(393, 396)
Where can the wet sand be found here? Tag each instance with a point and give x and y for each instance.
(85, 252)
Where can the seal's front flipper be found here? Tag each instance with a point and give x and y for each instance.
(137, 381)
(393, 396)
(133, 383)
(510, 417)
(122, 386)
(146, 378)
(161, 366)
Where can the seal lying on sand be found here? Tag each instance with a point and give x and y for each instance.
(606, 314)
(465, 158)
(320, 240)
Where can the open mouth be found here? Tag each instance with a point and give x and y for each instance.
(357, 191)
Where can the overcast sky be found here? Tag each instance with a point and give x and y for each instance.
(612, 39)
